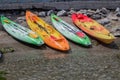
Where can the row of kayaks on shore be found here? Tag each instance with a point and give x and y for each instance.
(41, 32)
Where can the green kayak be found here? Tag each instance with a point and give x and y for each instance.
(21, 33)
(70, 32)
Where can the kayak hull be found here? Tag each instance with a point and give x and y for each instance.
(21, 33)
(92, 28)
(70, 32)
(49, 35)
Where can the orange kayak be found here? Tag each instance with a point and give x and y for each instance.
(49, 35)
(92, 28)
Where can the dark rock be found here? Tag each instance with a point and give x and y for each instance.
(22, 13)
(42, 14)
(116, 31)
(1, 54)
(103, 15)
(90, 12)
(1, 57)
(96, 16)
(71, 11)
(118, 56)
(108, 26)
(118, 14)
(95, 42)
(103, 21)
(62, 13)
(104, 11)
(97, 11)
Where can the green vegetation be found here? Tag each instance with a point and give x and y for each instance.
(2, 75)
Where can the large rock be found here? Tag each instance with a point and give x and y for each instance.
(96, 16)
(103, 15)
(104, 21)
(82, 11)
(117, 9)
(21, 18)
(118, 14)
(116, 31)
(90, 12)
(71, 11)
(50, 12)
(104, 11)
(62, 13)
(42, 14)
(97, 11)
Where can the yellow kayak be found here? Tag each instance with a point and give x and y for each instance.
(49, 35)
(93, 28)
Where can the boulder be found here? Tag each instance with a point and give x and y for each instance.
(104, 11)
(62, 13)
(117, 9)
(96, 16)
(90, 12)
(50, 12)
(118, 14)
(42, 14)
(82, 11)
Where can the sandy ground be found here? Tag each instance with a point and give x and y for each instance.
(100, 62)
